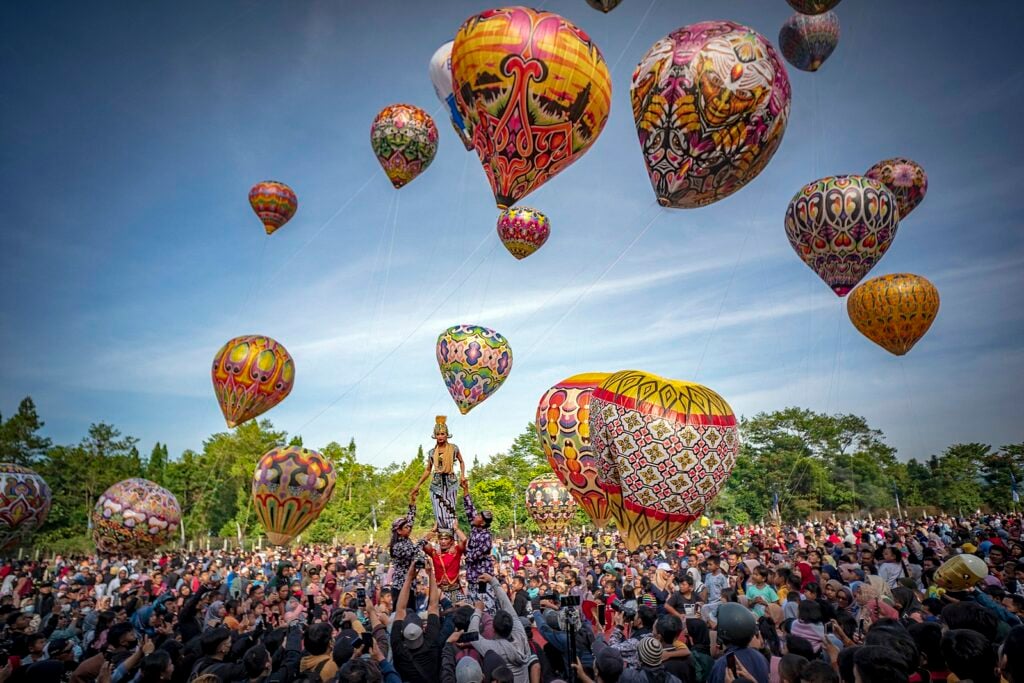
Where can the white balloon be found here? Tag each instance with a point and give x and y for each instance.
(441, 77)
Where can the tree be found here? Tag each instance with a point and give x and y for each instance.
(156, 466)
(20, 441)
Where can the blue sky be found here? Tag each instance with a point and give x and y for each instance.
(131, 132)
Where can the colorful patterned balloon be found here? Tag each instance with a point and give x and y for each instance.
(474, 362)
(404, 138)
(807, 41)
(664, 449)
(549, 504)
(536, 92)
(441, 77)
(841, 226)
(894, 311)
(905, 179)
(290, 488)
(251, 375)
(563, 425)
(24, 504)
(275, 203)
(523, 230)
(605, 6)
(135, 516)
(710, 102)
(812, 6)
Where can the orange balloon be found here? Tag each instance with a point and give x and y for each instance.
(894, 311)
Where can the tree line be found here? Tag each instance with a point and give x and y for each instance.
(793, 461)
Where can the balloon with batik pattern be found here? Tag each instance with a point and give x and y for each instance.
(812, 6)
(710, 103)
(605, 6)
(135, 516)
(523, 230)
(275, 203)
(441, 76)
(840, 226)
(404, 138)
(549, 504)
(664, 449)
(474, 362)
(905, 178)
(894, 311)
(807, 41)
(535, 91)
(290, 488)
(24, 504)
(563, 425)
(251, 375)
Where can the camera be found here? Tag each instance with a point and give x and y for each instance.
(419, 564)
(628, 614)
(553, 597)
(569, 601)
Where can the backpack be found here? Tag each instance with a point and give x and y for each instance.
(312, 675)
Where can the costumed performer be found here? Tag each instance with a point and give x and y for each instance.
(443, 483)
(447, 559)
(404, 551)
(478, 550)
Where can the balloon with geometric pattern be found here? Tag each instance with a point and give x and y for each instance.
(840, 226)
(523, 230)
(404, 138)
(474, 362)
(807, 41)
(563, 425)
(535, 92)
(24, 504)
(710, 103)
(812, 6)
(441, 76)
(135, 516)
(905, 178)
(605, 6)
(251, 374)
(549, 504)
(275, 203)
(664, 450)
(894, 311)
(290, 488)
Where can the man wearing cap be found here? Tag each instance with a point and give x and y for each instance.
(478, 549)
(416, 652)
(510, 641)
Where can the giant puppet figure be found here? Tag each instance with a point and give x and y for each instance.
(444, 485)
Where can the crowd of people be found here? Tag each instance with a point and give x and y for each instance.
(836, 601)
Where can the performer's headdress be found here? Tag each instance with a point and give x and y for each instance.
(442, 533)
(487, 516)
(440, 427)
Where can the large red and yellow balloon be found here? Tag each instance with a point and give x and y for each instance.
(841, 226)
(135, 516)
(275, 203)
(290, 487)
(664, 449)
(549, 504)
(24, 504)
(251, 375)
(710, 103)
(563, 425)
(535, 92)
(404, 139)
(894, 311)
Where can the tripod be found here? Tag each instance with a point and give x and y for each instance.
(569, 618)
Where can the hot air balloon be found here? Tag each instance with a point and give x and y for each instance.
(905, 179)
(275, 203)
(841, 226)
(404, 138)
(605, 6)
(251, 375)
(135, 516)
(894, 311)
(441, 77)
(536, 92)
(474, 362)
(807, 41)
(563, 425)
(549, 504)
(710, 102)
(290, 487)
(24, 504)
(812, 6)
(664, 449)
(523, 230)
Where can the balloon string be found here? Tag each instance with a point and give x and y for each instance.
(908, 398)
(255, 280)
(833, 376)
(635, 32)
(416, 329)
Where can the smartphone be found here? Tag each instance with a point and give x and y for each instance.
(470, 637)
(481, 587)
(730, 661)
(367, 641)
(600, 613)
(828, 627)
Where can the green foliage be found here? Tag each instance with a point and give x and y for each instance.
(20, 442)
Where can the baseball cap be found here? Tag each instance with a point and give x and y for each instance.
(609, 663)
(468, 671)
(413, 635)
(664, 566)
